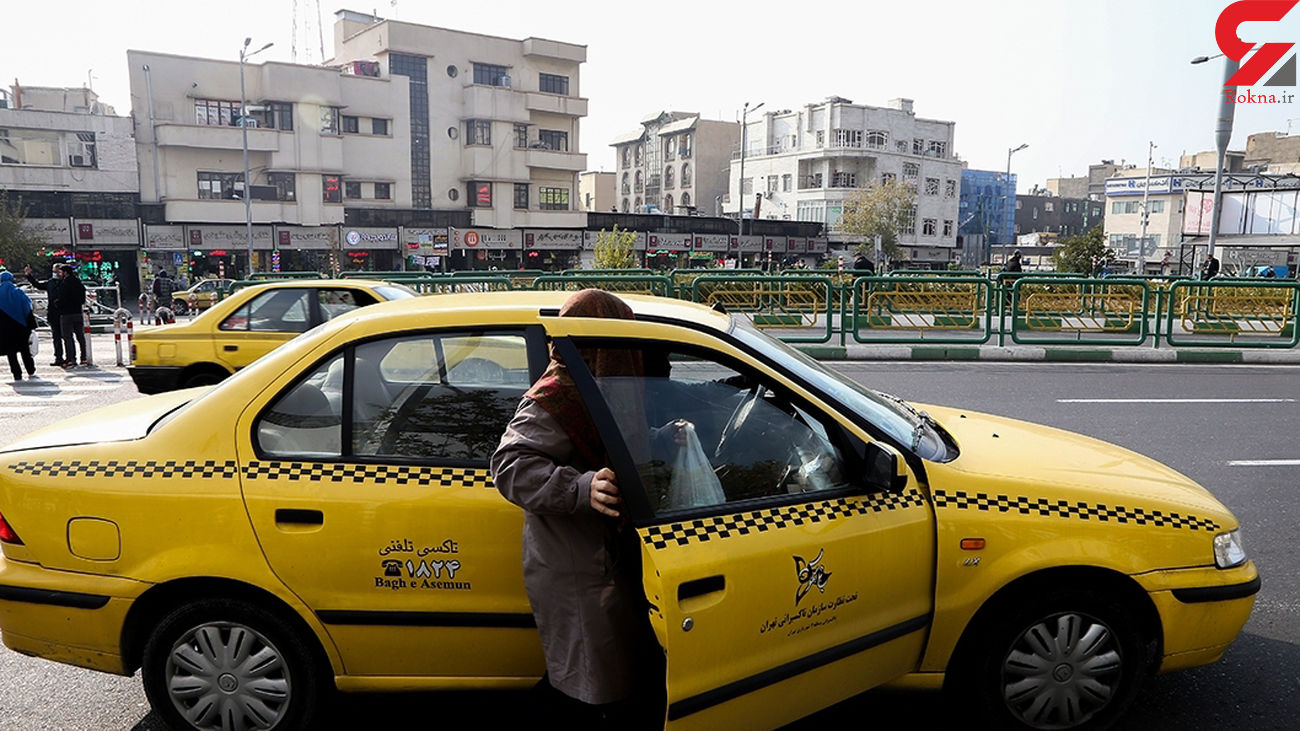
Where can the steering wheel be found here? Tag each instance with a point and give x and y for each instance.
(738, 417)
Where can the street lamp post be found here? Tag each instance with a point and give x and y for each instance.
(1009, 193)
(740, 184)
(1222, 135)
(243, 127)
(1146, 213)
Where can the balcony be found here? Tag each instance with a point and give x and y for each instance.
(555, 49)
(493, 102)
(490, 163)
(810, 182)
(218, 138)
(573, 106)
(574, 162)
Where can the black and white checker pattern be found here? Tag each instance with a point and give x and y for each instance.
(300, 471)
(1070, 509)
(128, 468)
(758, 521)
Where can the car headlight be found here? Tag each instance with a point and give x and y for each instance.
(1228, 550)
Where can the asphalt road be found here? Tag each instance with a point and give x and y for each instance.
(1238, 414)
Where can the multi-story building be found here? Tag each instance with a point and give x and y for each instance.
(1092, 186)
(1234, 161)
(1040, 212)
(407, 126)
(1164, 199)
(597, 191)
(806, 163)
(72, 164)
(675, 164)
(986, 213)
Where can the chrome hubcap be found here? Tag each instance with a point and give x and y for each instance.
(1061, 671)
(228, 677)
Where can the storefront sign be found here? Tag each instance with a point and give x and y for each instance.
(308, 237)
(775, 244)
(479, 239)
(100, 231)
(796, 245)
(818, 245)
(552, 239)
(207, 238)
(746, 243)
(711, 242)
(51, 231)
(668, 242)
(425, 241)
(164, 238)
(589, 240)
(370, 238)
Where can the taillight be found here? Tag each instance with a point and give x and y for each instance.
(132, 352)
(7, 534)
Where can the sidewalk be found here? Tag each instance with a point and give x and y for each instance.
(1055, 353)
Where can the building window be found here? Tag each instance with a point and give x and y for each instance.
(747, 186)
(686, 200)
(901, 146)
(351, 190)
(627, 207)
(811, 211)
(521, 196)
(1035, 211)
(626, 187)
(220, 186)
(279, 115)
(929, 226)
(351, 125)
(639, 184)
(670, 148)
(284, 185)
(1048, 206)
(329, 120)
(1019, 205)
(383, 191)
(553, 139)
(636, 207)
(668, 204)
(553, 84)
(1117, 207)
(416, 69)
(786, 180)
(947, 228)
(918, 146)
(887, 178)
(478, 132)
(553, 199)
(848, 138)
(640, 152)
(491, 74)
(215, 113)
(670, 177)
(1157, 206)
(932, 186)
(626, 154)
(379, 127)
(950, 189)
(521, 136)
(810, 181)
(821, 142)
(911, 171)
(772, 181)
(909, 223)
(686, 174)
(937, 149)
(1133, 207)
(331, 189)
(480, 194)
(843, 179)
(684, 145)
(877, 139)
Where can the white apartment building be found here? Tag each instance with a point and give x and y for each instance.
(1164, 232)
(675, 164)
(806, 163)
(408, 125)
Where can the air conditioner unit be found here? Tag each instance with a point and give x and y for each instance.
(365, 68)
(77, 161)
(505, 81)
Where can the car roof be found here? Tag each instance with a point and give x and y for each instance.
(300, 283)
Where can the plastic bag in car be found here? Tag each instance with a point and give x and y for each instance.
(693, 483)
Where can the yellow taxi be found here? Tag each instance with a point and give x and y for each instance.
(325, 519)
(243, 327)
(204, 294)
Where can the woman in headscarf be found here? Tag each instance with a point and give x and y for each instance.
(16, 325)
(581, 560)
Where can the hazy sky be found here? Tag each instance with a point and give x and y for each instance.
(1077, 81)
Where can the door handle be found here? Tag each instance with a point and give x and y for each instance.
(295, 516)
(230, 348)
(700, 587)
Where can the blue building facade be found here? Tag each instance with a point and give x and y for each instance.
(988, 206)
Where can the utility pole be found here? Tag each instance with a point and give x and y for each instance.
(243, 128)
(740, 184)
(1146, 213)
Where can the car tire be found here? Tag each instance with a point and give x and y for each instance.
(221, 664)
(179, 307)
(1057, 660)
(203, 377)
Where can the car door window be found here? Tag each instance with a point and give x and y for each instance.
(335, 302)
(280, 310)
(757, 440)
(444, 397)
(306, 420)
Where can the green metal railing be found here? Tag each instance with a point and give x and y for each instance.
(786, 305)
(1073, 310)
(908, 309)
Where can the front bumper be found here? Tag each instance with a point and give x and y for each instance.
(1202, 610)
(155, 379)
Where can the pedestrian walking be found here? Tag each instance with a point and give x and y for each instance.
(16, 325)
(163, 287)
(580, 557)
(1210, 268)
(51, 289)
(72, 297)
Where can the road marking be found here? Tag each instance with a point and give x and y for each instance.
(53, 398)
(52, 387)
(1175, 401)
(19, 409)
(1265, 463)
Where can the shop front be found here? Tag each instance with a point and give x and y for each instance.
(370, 249)
(710, 251)
(222, 251)
(552, 251)
(164, 248)
(106, 252)
(775, 250)
(426, 249)
(748, 250)
(587, 258)
(668, 250)
(479, 249)
(55, 235)
(307, 249)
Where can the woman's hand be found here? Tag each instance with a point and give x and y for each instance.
(605, 497)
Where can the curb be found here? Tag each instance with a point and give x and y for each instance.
(1054, 354)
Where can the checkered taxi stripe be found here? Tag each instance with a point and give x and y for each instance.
(758, 521)
(1070, 509)
(290, 471)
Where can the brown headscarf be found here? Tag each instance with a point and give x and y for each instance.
(556, 392)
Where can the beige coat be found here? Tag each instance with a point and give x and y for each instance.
(581, 571)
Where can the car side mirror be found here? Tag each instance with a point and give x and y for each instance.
(885, 468)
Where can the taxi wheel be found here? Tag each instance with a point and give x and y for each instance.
(207, 376)
(1069, 660)
(222, 664)
(179, 307)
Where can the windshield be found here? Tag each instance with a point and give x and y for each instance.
(396, 291)
(911, 428)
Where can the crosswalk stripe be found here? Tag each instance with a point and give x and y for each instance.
(19, 409)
